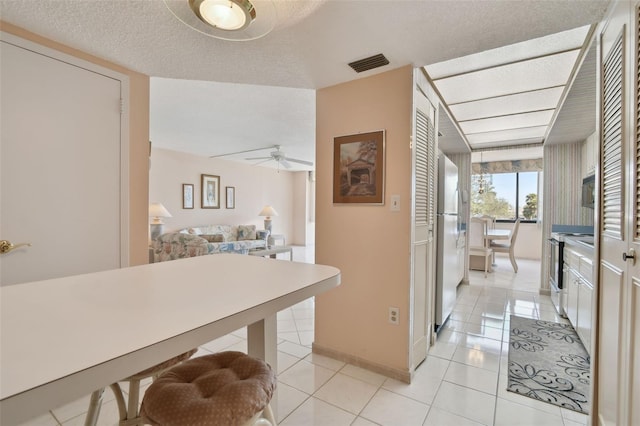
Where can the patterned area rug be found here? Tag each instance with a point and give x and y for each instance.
(548, 362)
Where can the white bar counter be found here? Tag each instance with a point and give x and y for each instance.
(61, 339)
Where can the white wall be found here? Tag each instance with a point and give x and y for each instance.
(300, 212)
(255, 187)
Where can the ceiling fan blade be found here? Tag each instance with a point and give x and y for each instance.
(293, 160)
(285, 163)
(263, 161)
(242, 152)
(259, 158)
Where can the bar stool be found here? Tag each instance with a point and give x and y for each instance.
(128, 412)
(223, 389)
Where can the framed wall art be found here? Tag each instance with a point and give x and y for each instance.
(187, 196)
(231, 197)
(210, 192)
(358, 168)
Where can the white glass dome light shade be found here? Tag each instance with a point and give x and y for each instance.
(266, 14)
(228, 15)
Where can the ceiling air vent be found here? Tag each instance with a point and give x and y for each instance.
(369, 63)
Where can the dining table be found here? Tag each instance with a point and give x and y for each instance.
(63, 338)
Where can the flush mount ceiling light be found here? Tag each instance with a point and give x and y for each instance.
(248, 19)
(228, 15)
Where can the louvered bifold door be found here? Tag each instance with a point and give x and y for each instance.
(637, 139)
(422, 131)
(425, 170)
(634, 317)
(423, 196)
(431, 173)
(612, 162)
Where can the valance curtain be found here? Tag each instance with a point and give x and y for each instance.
(513, 166)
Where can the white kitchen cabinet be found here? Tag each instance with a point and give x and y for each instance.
(585, 317)
(578, 276)
(572, 284)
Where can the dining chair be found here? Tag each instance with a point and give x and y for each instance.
(490, 220)
(476, 241)
(508, 247)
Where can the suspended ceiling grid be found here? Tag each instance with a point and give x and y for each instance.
(508, 96)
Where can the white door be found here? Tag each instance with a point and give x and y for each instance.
(61, 149)
(423, 227)
(618, 345)
(632, 298)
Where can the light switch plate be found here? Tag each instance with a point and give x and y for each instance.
(395, 203)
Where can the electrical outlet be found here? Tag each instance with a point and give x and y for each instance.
(394, 315)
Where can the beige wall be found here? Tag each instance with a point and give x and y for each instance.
(138, 141)
(255, 187)
(369, 244)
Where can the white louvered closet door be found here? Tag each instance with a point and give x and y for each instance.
(618, 369)
(423, 209)
(633, 284)
(612, 268)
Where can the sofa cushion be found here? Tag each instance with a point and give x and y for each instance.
(213, 238)
(246, 232)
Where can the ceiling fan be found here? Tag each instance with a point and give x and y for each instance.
(278, 156)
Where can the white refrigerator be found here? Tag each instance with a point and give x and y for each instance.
(447, 276)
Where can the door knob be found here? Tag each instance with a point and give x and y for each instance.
(630, 255)
(7, 246)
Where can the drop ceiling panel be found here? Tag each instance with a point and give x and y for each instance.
(507, 154)
(509, 135)
(572, 39)
(548, 71)
(510, 143)
(509, 104)
(515, 121)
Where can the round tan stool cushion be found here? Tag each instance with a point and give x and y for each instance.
(227, 388)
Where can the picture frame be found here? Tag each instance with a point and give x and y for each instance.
(187, 196)
(210, 197)
(359, 168)
(231, 197)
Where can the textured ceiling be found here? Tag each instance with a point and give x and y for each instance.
(309, 53)
(209, 118)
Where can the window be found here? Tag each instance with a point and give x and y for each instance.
(504, 194)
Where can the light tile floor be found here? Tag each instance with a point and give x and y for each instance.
(462, 382)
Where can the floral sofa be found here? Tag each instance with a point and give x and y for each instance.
(208, 239)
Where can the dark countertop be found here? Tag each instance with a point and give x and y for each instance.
(572, 229)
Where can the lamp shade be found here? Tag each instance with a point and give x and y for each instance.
(157, 210)
(268, 211)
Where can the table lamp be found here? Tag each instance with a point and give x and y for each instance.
(157, 211)
(268, 211)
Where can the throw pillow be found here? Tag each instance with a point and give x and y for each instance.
(246, 232)
(213, 238)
